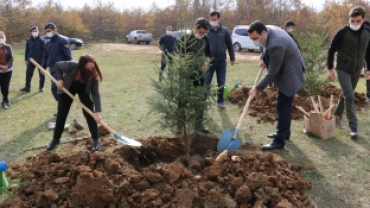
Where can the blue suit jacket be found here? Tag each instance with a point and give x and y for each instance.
(58, 49)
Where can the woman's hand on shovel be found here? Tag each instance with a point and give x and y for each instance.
(98, 117)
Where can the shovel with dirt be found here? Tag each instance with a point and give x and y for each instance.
(230, 141)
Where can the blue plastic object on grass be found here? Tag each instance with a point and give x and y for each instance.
(3, 166)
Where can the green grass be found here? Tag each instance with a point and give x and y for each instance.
(341, 166)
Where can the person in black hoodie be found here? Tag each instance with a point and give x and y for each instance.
(289, 27)
(195, 44)
(6, 69)
(35, 48)
(352, 46)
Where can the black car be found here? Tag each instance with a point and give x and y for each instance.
(74, 42)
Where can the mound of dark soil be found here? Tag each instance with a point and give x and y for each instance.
(156, 175)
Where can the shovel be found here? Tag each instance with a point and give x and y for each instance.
(121, 139)
(229, 141)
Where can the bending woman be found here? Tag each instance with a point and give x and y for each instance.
(80, 78)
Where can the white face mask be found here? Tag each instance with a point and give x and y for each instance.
(354, 27)
(257, 43)
(290, 29)
(2, 40)
(168, 32)
(198, 36)
(214, 23)
(49, 34)
(35, 34)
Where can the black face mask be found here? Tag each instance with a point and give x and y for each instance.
(88, 74)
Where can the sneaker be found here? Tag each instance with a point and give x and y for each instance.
(41, 90)
(353, 134)
(8, 103)
(25, 89)
(221, 104)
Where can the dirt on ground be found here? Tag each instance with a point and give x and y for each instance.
(264, 105)
(157, 175)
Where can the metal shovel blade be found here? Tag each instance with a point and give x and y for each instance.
(127, 141)
(224, 141)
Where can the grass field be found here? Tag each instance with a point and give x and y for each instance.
(340, 170)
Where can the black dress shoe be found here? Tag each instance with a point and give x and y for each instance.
(52, 145)
(25, 89)
(272, 146)
(272, 135)
(96, 145)
(3, 105)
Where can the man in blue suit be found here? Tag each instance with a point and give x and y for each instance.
(285, 68)
(58, 49)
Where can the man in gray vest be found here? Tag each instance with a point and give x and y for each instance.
(351, 43)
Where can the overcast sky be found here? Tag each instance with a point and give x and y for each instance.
(122, 4)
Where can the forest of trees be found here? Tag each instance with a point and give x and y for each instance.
(103, 22)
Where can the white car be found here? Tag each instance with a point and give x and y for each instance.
(240, 38)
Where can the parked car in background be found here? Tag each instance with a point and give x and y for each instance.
(178, 34)
(241, 40)
(74, 42)
(139, 36)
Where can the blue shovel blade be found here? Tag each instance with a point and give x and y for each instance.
(224, 141)
(126, 140)
(234, 144)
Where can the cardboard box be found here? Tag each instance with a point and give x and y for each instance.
(315, 125)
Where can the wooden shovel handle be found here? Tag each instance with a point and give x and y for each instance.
(316, 109)
(245, 109)
(327, 113)
(320, 104)
(331, 100)
(303, 111)
(43, 71)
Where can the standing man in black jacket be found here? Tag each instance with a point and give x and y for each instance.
(352, 46)
(35, 48)
(167, 44)
(289, 27)
(220, 40)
